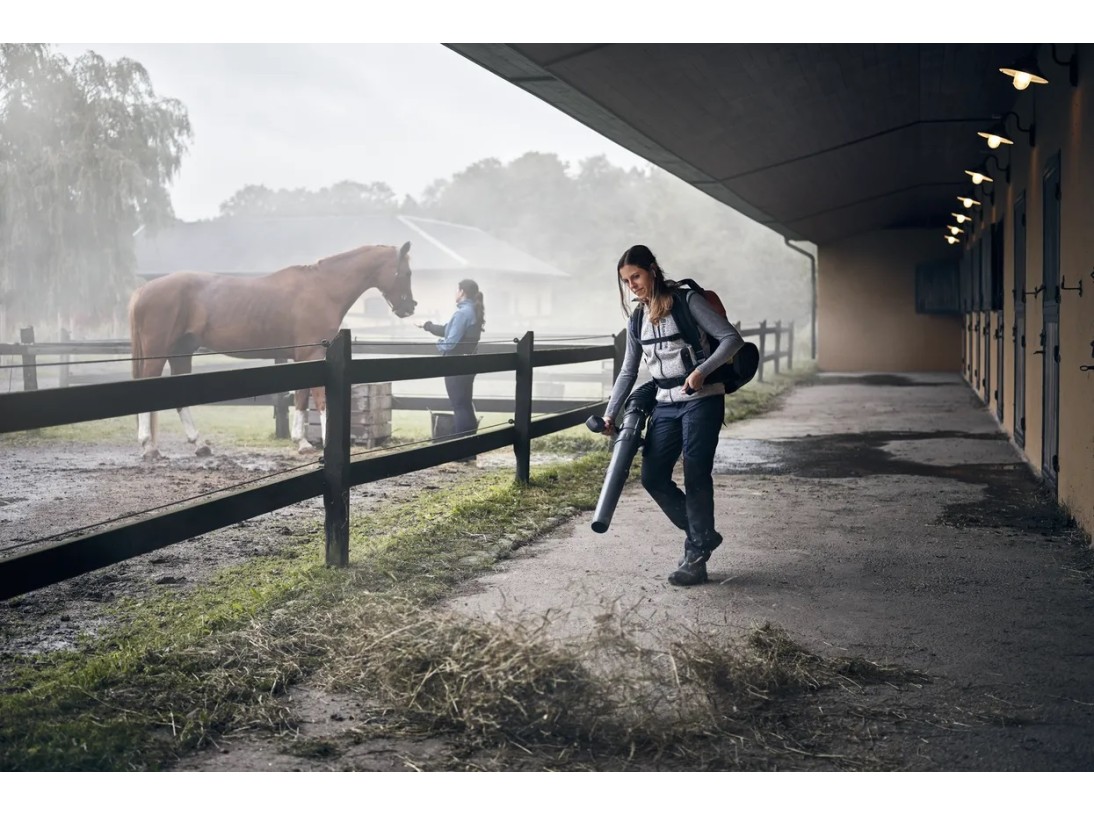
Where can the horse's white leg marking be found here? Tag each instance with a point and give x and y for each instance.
(146, 437)
(144, 429)
(298, 435)
(323, 424)
(200, 448)
(188, 425)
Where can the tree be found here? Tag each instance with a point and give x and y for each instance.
(343, 198)
(87, 150)
(582, 222)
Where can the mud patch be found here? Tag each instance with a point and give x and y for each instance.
(850, 455)
(58, 491)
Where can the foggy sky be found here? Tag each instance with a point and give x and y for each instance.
(312, 115)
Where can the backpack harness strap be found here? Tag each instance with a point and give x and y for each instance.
(688, 330)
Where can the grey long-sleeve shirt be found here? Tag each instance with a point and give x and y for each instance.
(664, 357)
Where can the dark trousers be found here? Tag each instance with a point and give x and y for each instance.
(691, 428)
(459, 395)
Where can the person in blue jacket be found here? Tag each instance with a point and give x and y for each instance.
(460, 335)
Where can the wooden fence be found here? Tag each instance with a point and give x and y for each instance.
(774, 342)
(332, 477)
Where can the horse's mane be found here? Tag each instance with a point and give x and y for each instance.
(345, 255)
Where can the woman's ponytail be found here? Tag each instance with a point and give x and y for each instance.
(471, 290)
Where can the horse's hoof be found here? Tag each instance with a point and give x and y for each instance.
(203, 451)
(151, 454)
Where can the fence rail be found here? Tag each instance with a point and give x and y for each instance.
(29, 350)
(333, 476)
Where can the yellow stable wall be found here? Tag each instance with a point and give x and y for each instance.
(1064, 120)
(866, 318)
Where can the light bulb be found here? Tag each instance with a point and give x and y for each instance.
(994, 141)
(955, 230)
(951, 239)
(961, 217)
(1022, 80)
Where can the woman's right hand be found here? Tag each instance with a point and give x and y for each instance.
(609, 426)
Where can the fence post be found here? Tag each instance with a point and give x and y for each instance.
(30, 372)
(522, 407)
(790, 350)
(763, 353)
(281, 409)
(778, 343)
(63, 372)
(336, 450)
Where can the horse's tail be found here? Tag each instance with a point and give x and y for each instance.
(135, 343)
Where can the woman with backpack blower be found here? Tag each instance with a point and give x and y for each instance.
(683, 340)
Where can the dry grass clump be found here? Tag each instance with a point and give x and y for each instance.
(770, 664)
(511, 692)
(479, 679)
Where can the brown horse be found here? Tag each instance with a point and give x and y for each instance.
(173, 316)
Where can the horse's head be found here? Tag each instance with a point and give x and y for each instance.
(396, 286)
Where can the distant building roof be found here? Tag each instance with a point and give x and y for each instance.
(251, 246)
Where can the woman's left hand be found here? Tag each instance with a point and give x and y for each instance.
(694, 381)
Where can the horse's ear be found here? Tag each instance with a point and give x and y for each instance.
(403, 250)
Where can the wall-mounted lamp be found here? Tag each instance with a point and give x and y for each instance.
(1025, 71)
(996, 135)
(1004, 170)
(951, 240)
(955, 230)
(966, 202)
(1072, 65)
(961, 217)
(978, 177)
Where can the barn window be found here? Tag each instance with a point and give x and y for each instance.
(937, 288)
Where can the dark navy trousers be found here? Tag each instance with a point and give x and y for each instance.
(459, 396)
(690, 428)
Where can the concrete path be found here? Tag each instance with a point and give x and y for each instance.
(876, 515)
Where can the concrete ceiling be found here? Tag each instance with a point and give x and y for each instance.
(819, 142)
